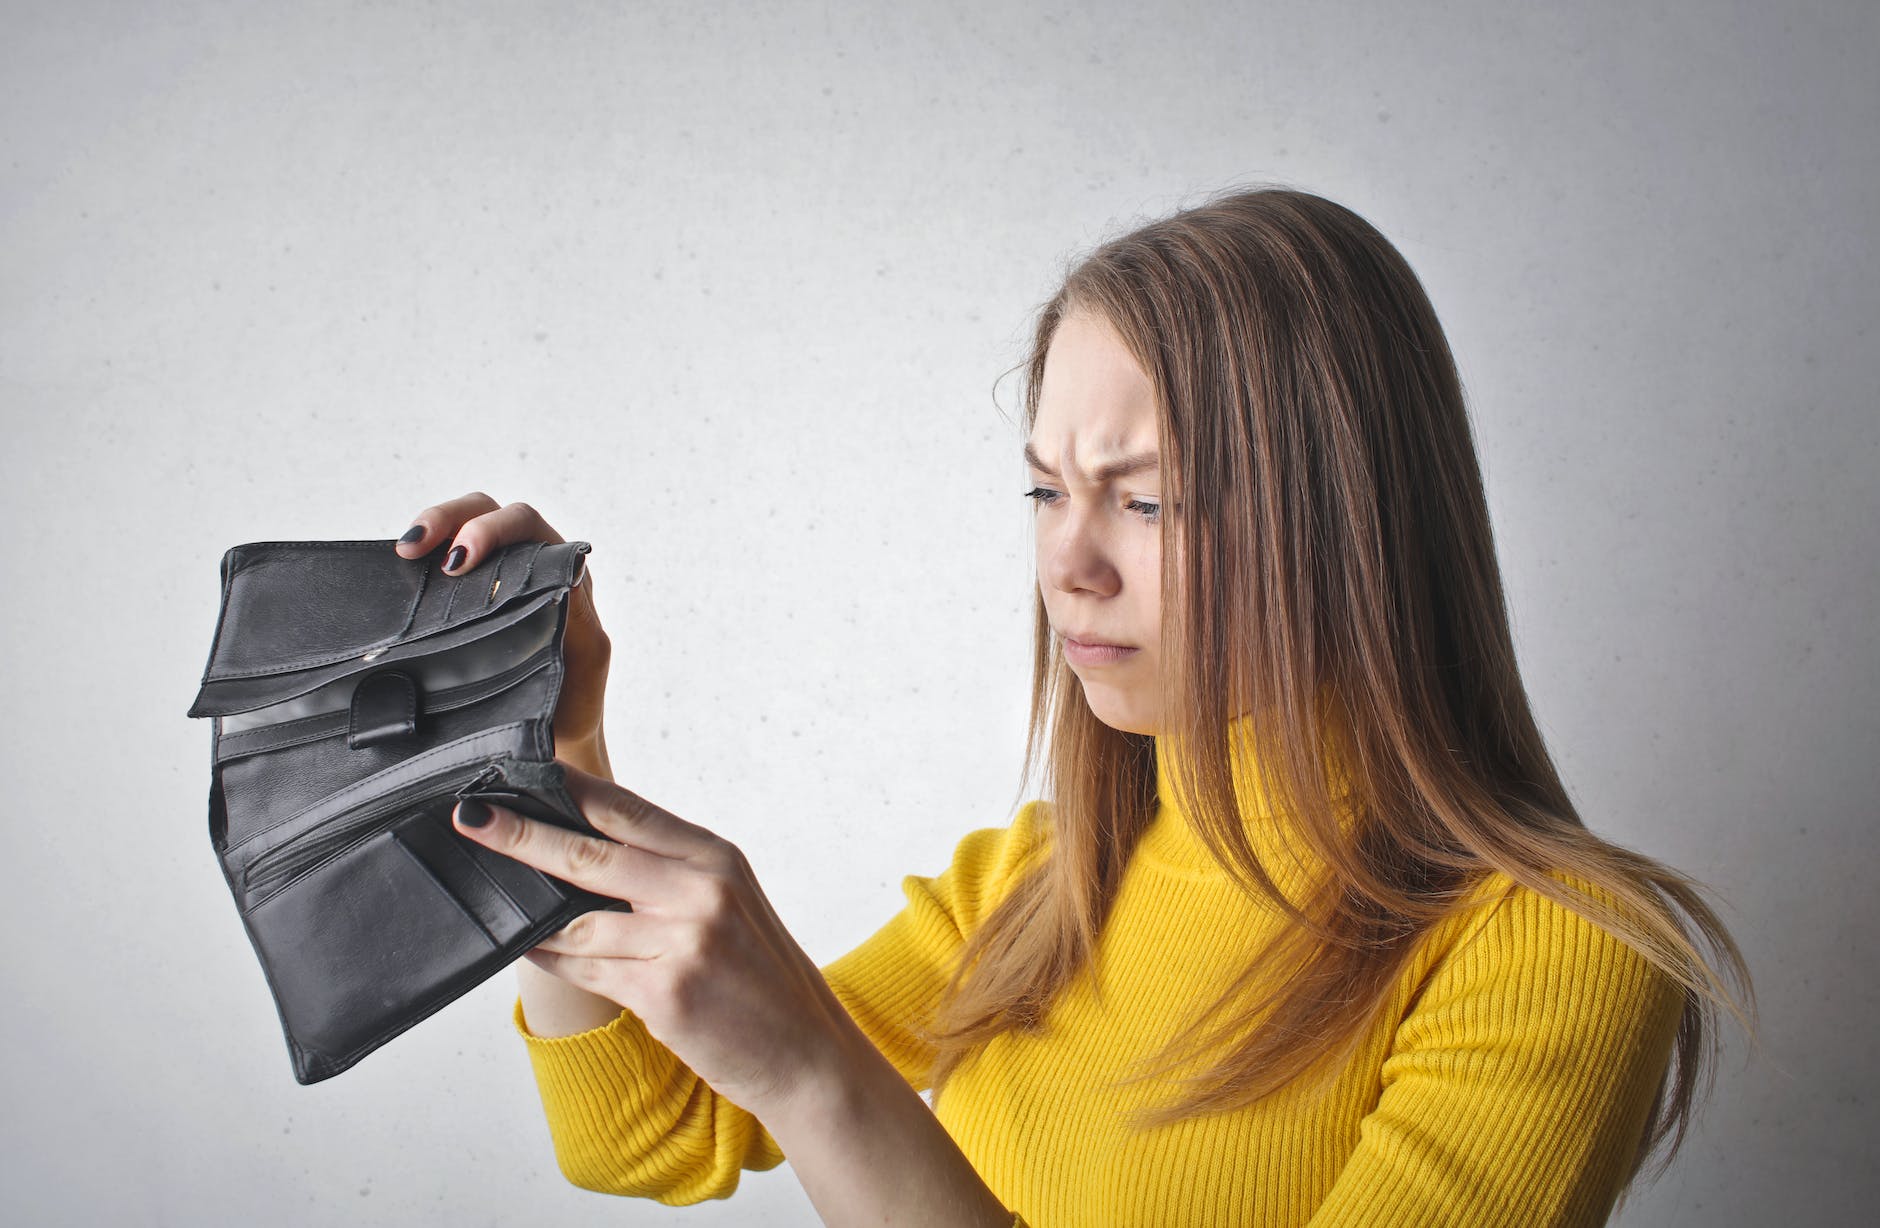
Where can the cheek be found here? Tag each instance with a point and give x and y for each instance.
(1148, 572)
(1044, 542)
(1152, 590)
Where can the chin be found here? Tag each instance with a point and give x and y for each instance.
(1125, 718)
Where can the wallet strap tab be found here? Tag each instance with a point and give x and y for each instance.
(384, 709)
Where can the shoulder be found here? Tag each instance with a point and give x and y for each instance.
(1026, 840)
(990, 854)
(1503, 920)
(1516, 954)
(985, 864)
(1523, 1072)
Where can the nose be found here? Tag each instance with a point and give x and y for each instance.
(1074, 555)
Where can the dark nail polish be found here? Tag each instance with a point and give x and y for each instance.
(454, 559)
(472, 813)
(411, 535)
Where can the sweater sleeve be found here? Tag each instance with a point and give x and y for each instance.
(628, 1117)
(1518, 1085)
(892, 982)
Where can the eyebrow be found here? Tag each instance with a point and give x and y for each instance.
(1133, 463)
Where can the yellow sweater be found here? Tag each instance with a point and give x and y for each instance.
(1508, 1083)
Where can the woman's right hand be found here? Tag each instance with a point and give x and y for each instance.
(481, 526)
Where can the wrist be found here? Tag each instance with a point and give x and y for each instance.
(554, 1008)
(868, 1149)
(832, 1095)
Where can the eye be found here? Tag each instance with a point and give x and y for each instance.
(1046, 497)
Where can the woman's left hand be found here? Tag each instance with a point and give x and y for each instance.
(702, 959)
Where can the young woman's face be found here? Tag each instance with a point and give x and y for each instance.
(1097, 521)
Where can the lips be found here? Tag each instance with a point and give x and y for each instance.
(1094, 641)
(1088, 655)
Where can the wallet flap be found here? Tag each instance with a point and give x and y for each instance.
(384, 708)
(238, 695)
(297, 615)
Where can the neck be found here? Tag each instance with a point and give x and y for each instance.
(1173, 841)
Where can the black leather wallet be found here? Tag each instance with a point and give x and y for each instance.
(357, 695)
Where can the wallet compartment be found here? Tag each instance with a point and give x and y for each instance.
(356, 697)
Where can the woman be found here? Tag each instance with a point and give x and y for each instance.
(1307, 928)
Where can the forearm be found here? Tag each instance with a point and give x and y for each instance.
(868, 1151)
(552, 1006)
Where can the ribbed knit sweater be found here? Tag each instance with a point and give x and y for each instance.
(1508, 1082)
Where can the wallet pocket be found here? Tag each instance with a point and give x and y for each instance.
(354, 732)
(351, 947)
(274, 869)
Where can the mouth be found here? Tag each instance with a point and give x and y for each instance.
(1091, 641)
(1095, 652)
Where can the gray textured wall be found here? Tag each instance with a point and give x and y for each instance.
(726, 295)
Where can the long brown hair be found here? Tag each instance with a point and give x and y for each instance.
(1329, 567)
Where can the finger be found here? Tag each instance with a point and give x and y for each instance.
(441, 521)
(587, 646)
(600, 865)
(608, 935)
(625, 816)
(582, 607)
(486, 532)
(612, 979)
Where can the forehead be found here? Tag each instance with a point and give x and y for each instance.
(1093, 395)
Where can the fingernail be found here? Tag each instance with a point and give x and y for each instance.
(472, 813)
(411, 535)
(454, 559)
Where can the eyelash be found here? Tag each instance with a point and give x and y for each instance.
(1150, 512)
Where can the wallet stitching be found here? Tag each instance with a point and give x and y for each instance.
(369, 782)
(239, 734)
(529, 571)
(242, 751)
(294, 667)
(221, 618)
(237, 743)
(260, 897)
(424, 583)
(541, 738)
(278, 667)
(399, 637)
(456, 586)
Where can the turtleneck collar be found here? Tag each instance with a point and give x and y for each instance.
(1172, 843)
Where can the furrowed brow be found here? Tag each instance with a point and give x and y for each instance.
(1121, 466)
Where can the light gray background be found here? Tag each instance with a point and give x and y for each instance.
(726, 293)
